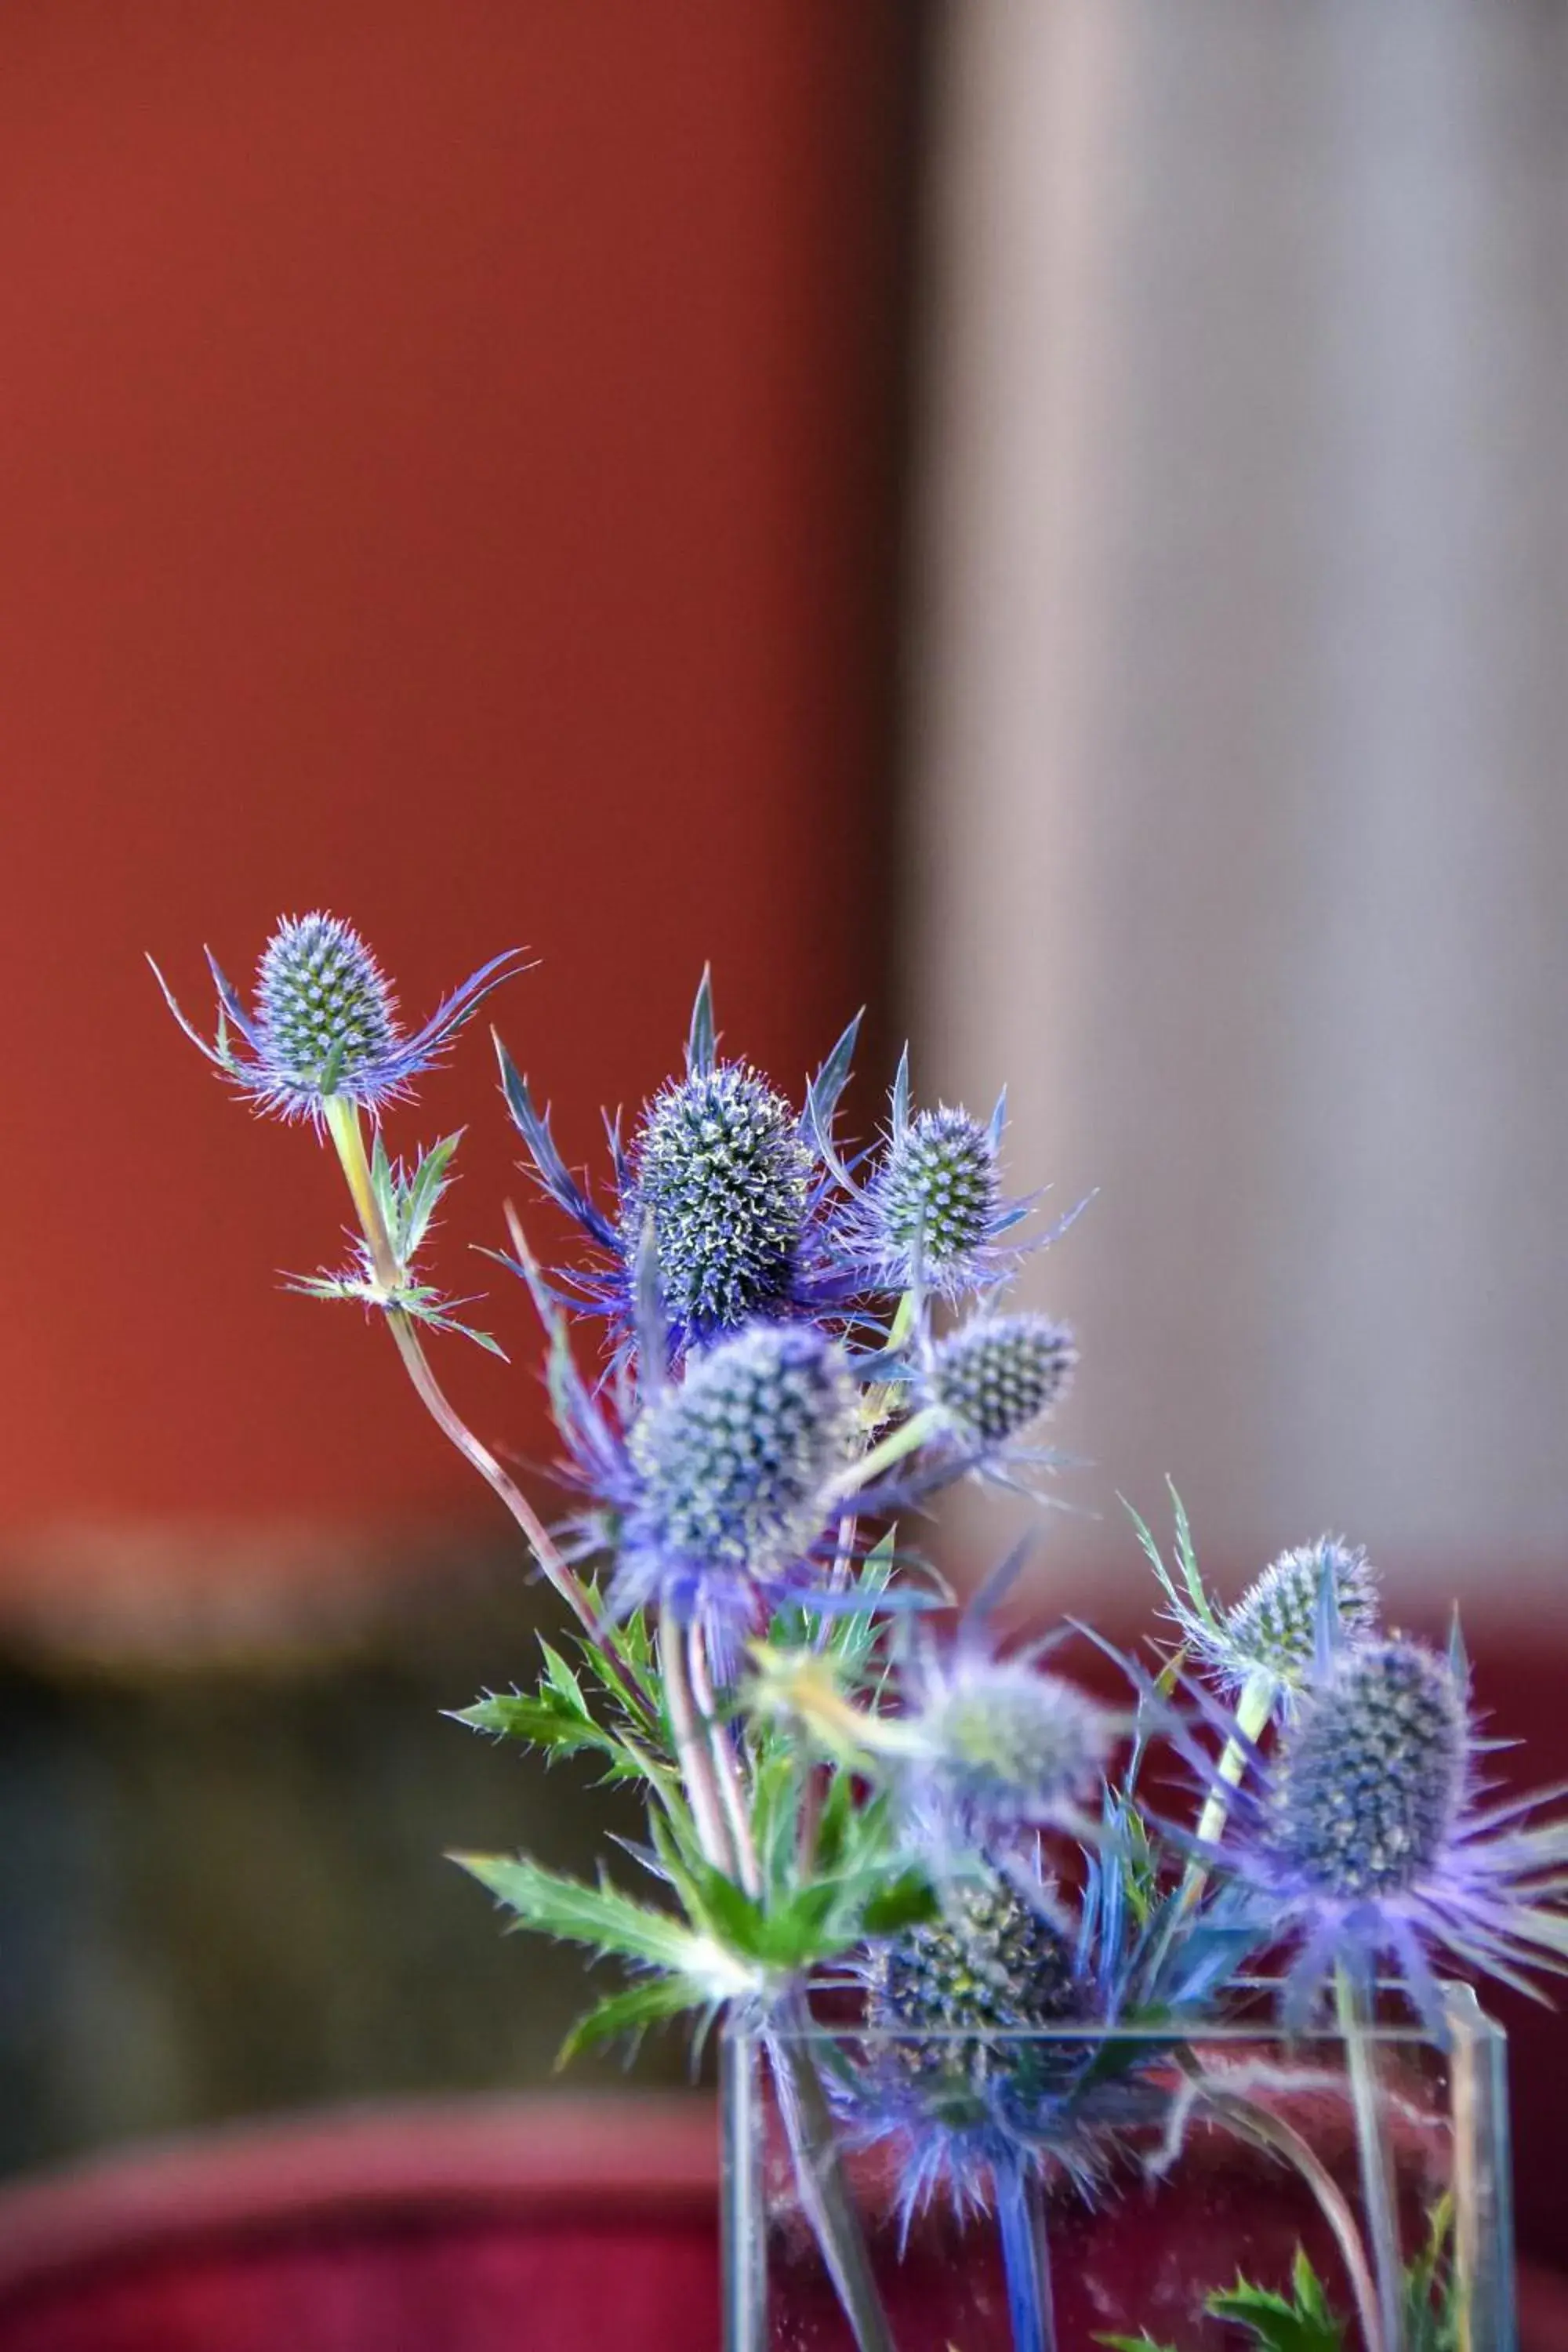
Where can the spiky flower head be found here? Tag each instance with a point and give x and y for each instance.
(324, 1025)
(1277, 1625)
(1371, 1774)
(967, 2070)
(734, 1462)
(323, 1009)
(992, 1964)
(1367, 1838)
(997, 1375)
(721, 1174)
(1004, 1745)
(934, 1202)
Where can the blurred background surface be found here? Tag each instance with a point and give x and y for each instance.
(1049, 519)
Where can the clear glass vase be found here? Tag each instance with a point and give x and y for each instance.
(1115, 2183)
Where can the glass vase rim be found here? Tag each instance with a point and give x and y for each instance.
(1463, 2019)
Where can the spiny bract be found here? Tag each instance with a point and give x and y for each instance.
(735, 1459)
(994, 1376)
(721, 1170)
(323, 1009)
(1371, 1773)
(1273, 1628)
(935, 1199)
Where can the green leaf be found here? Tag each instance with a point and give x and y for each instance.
(600, 1917)
(543, 1721)
(1144, 2343)
(631, 2011)
(910, 1902)
(1276, 2322)
(561, 1678)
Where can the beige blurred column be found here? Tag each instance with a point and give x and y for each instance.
(1241, 743)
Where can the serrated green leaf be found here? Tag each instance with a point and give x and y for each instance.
(1275, 2321)
(543, 1721)
(631, 2011)
(608, 1922)
(562, 1679)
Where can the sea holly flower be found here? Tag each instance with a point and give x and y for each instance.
(1275, 1631)
(324, 1025)
(931, 1216)
(720, 1175)
(734, 1461)
(714, 1491)
(946, 2074)
(988, 1385)
(1367, 1837)
(1308, 1603)
(1000, 1745)
(932, 1213)
(721, 1172)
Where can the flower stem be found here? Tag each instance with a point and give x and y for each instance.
(1025, 2258)
(726, 1769)
(695, 1756)
(1377, 2189)
(892, 1449)
(343, 1127)
(825, 2191)
(1252, 1712)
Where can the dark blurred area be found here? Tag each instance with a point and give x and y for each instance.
(1047, 520)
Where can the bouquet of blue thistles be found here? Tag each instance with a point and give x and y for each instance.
(772, 1350)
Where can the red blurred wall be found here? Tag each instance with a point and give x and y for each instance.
(446, 457)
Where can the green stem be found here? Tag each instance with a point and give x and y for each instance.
(1377, 2186)
(1252, 1712)
(825, 2191)
(695, 1756)
(343, 1127)
(892, 1449)
(726, 1770)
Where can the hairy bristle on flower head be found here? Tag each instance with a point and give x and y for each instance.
(997, 1375)
(325, 1012)
(1273, 1629)
(733, 1460)
(992, 1964)
(1007, 1744)
(722, 1173)
(935, 1198)
(1372, 1773)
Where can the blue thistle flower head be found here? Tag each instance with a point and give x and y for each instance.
(931, 1216)
(732, 1471)
(1313, 1592)
(324, 1025)
(996, 1377)
(933, 1206)
(721, 1173)
(1004, 1745)
(719, 1202)
(993, 1963)
(1371, 1779)
(950, 2073)
(1366, 1837)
